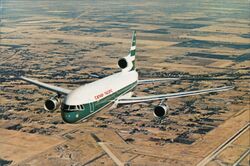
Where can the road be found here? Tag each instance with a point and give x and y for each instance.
(225, 145)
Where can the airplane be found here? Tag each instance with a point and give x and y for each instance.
(88, 99)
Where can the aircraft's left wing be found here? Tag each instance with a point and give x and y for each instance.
(171, 95)
(47, 86)
(157, 80)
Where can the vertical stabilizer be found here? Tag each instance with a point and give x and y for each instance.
(132, 53)
(128, 63)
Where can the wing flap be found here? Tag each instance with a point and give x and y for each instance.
(171, 95)
(47, 86)
(140, 82)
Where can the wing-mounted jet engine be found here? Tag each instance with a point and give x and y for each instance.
(161, 110)
(52, 104)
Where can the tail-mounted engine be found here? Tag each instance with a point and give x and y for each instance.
(161, 111)
(126, 63)
(52, 104)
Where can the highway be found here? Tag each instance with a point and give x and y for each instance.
(223, 146)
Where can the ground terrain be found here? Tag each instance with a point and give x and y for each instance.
(64, 43)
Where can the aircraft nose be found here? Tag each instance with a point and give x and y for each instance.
(70, 117)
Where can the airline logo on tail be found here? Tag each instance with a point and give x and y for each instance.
(133, 50)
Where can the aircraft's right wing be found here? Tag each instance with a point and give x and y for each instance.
(140, 82)
(47, 86)
(131, 100)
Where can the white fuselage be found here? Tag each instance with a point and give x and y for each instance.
(90, 98)
(100, 89)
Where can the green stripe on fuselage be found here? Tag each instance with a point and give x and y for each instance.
(94, 107)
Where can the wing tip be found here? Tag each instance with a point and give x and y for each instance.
(232, 87)
(225, 88)
(228, 87)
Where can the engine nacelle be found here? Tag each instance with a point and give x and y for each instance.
(52, 104)
(126, 63)
(161, 111)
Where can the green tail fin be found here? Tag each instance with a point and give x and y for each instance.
(133, 49)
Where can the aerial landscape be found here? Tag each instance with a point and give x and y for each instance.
(71, 43)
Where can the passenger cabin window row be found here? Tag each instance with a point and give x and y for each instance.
(72, 107)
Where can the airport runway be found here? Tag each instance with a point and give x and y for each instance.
(215, 155)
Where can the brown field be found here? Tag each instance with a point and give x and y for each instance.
(63, 42)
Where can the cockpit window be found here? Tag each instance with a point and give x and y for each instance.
(82, 107)
(64, 106)
(72, 107)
